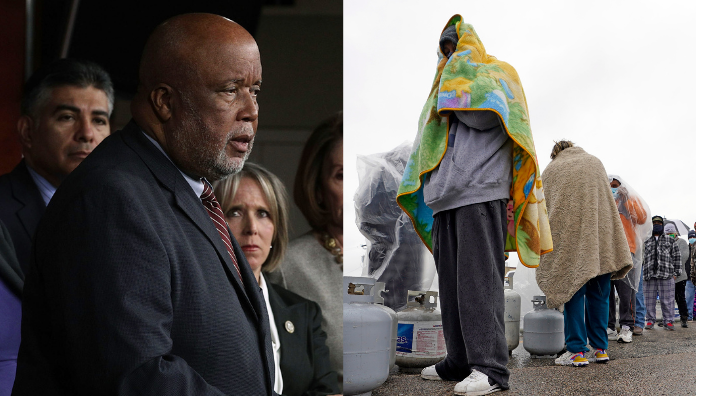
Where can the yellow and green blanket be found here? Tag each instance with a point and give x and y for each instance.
(473, 80)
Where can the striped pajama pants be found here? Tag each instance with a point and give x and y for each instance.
(666, 289)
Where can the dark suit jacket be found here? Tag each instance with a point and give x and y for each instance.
(305, 359)
(131, 290)
(21, 207)
(10, 272)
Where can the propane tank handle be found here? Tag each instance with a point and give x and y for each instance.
(540, 300)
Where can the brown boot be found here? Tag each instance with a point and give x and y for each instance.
(638, 331)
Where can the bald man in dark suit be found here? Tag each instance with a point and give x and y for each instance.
(136, 286)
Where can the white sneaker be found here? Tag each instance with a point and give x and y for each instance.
(430, 373)
(576, 359)
(476, 384)
(626, 335)
(612, 334)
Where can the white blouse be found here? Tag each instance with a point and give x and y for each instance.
(275, 343)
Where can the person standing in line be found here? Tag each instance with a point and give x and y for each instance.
(586, 230)
(681, 280)
(690, 288)
(472, 154)
(661, 264)
(633, 216)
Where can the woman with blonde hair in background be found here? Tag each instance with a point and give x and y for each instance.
(254, 202)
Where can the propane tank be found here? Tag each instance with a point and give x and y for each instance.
(543, 329)
(421, 341)
(512, 313)
(379, 300)
(366, 343)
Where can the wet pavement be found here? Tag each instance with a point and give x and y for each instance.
(659, 362)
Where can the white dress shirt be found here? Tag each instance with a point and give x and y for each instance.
(275, 343)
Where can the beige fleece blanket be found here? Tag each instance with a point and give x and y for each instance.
(587, 234)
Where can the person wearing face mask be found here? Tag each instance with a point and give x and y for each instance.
(690, 289)
(681, 280)
(661, 264)
(633, 215)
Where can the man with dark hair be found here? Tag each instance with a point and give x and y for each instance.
(66, 108)
(136, 285)
(661, 264)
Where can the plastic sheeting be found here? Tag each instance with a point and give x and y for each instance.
(395, 255)
(626, 200)
(524, 283)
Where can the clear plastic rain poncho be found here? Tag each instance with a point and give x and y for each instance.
(395, 255)
(638, 224)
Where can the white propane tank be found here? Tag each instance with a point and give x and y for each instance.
(421, 341)
(543, 329)
(512, 313)
(366, 343)
(379, 300)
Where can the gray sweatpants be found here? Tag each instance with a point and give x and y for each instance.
(468, 247)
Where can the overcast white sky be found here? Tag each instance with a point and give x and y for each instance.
(615, 77)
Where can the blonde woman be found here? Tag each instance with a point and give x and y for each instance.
(254, 202)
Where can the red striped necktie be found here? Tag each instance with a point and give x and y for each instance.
(216, 215)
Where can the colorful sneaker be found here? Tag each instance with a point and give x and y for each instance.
(670, 327)
(649, 326)
(477, 383)
(596, 355)
(574, 359)
(429, 373)
(600, 356)
(626, 335)
(612, 334)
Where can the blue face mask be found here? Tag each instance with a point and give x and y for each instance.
(657, 229)
(614, 191)
(692, 240)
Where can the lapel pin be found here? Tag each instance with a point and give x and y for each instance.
(289, 326)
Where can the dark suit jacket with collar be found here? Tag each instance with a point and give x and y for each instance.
(131, 290)
(305, 359)
(21, 207)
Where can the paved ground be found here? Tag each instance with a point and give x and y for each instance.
(657, 363)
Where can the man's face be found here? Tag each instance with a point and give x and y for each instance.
(615, 183)
(65, 130)
(656, 222)
(448, 48)
(214, 126)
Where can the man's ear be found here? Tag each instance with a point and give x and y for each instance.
(160, 99)
(25, 127)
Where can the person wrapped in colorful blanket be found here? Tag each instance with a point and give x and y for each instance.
(473, 153)
(661, 264)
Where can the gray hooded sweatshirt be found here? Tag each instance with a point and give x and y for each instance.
(476, 166)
